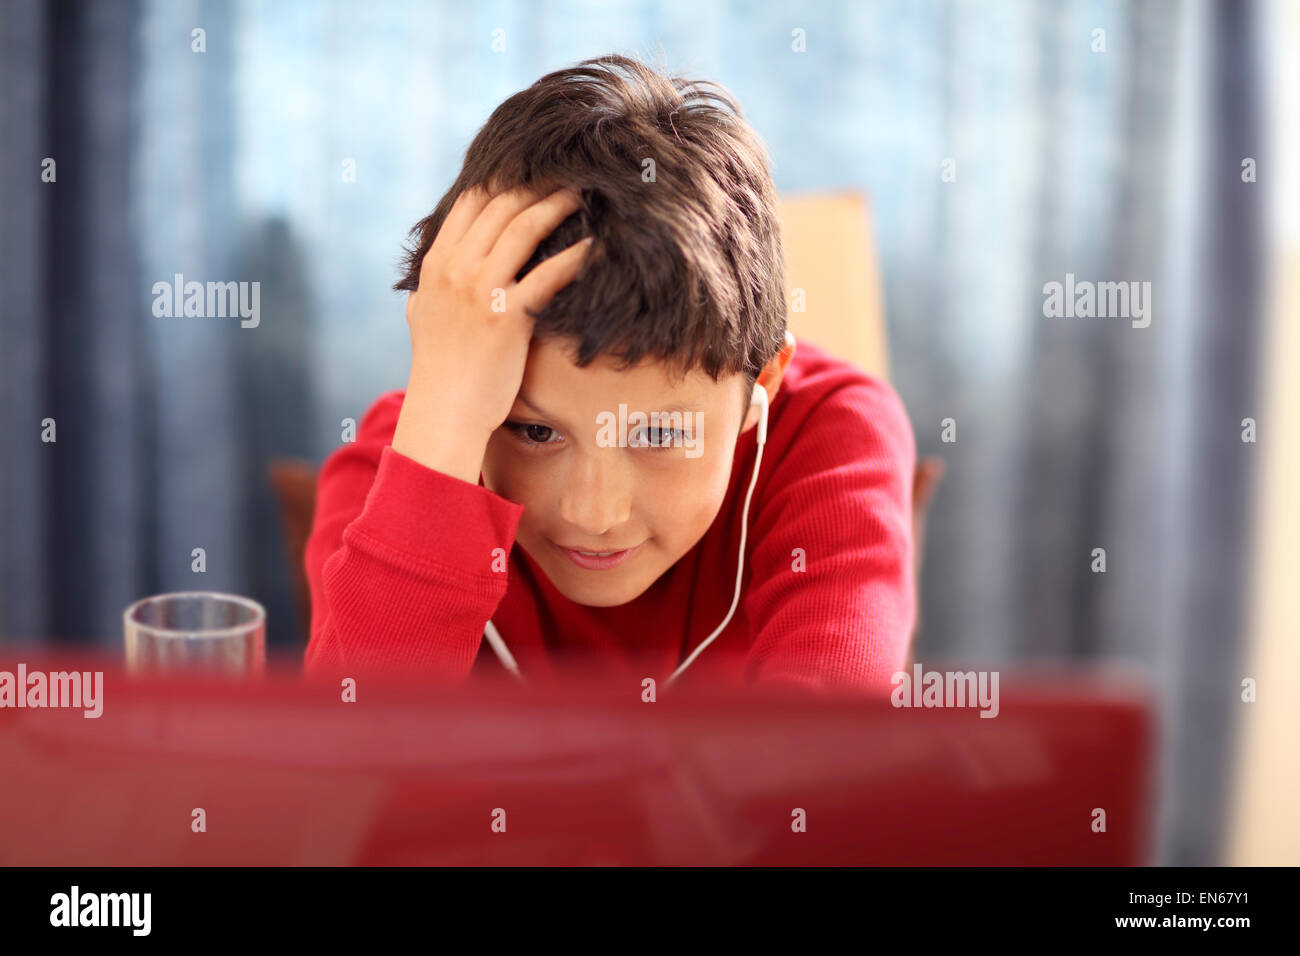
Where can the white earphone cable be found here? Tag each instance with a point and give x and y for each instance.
(503, 653)
(740, 569)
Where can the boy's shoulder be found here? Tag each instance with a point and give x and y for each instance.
(819, 385)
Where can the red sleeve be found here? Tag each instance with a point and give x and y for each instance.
(400, 560)
(841, 494)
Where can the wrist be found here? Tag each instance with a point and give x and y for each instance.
(431, 431)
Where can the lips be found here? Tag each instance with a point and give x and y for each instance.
(599, 560)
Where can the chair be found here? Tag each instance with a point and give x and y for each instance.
(294, 483)
(829, 255)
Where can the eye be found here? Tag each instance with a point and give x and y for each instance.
(533, 434)
(656, 438)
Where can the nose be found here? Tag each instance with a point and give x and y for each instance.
(598, 493)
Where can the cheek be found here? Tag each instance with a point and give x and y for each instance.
(510, 474)
(684, 503)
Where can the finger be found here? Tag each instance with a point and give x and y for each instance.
(464, 211)
(495, 216)
(551, 276)
(530, 226)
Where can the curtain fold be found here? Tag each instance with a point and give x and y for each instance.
(74, 549)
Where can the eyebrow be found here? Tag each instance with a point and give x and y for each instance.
(676, 407)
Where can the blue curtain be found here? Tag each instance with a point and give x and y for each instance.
(1119, 163)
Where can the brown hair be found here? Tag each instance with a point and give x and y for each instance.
(689, 268)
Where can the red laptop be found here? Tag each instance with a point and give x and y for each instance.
(202, 771)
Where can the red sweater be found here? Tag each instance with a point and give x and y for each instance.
(400, 560)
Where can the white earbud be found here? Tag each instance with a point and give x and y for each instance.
(757, 397)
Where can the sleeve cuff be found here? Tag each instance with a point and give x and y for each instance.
(434, 517)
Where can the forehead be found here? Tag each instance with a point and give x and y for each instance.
(553, 374)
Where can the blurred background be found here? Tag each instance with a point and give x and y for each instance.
(1118, 156)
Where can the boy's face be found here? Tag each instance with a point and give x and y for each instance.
(591, 478)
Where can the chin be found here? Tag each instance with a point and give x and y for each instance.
(594, 594)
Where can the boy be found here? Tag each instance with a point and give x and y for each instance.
(591, 306)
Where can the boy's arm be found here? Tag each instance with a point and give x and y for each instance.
(841, 494)
(400, 560)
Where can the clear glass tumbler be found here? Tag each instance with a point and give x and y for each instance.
(196, 630)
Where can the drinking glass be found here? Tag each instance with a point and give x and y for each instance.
(196, 630)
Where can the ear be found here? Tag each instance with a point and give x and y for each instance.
(770, 379)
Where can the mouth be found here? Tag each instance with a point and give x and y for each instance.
(597, 560)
